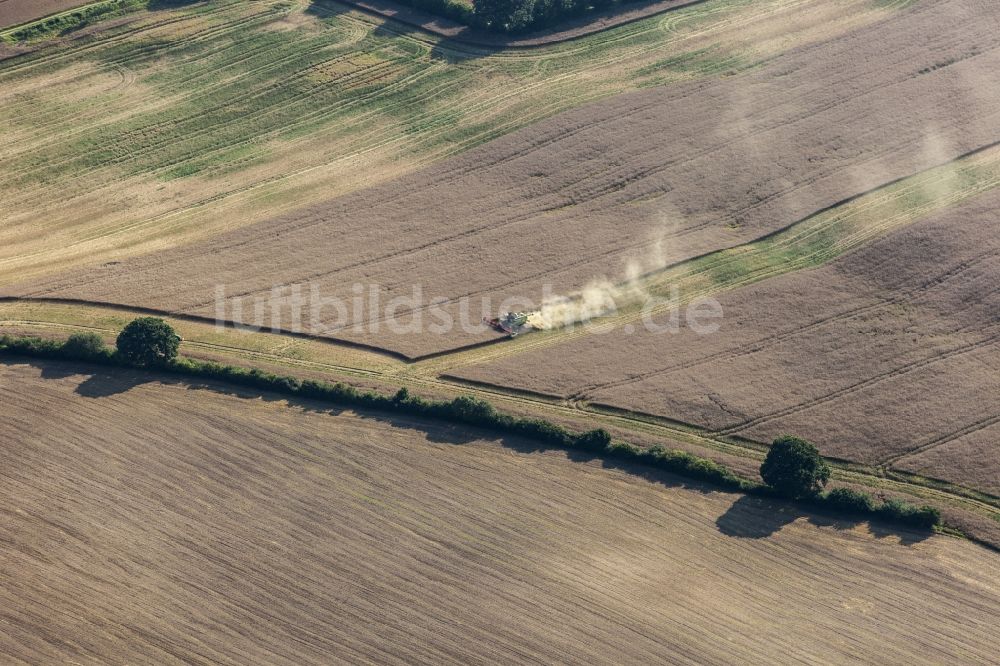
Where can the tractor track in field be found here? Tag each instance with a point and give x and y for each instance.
(166, 101)
(868, 382)
(229, 102)
(111, 142)
(154, 220)
(27, 61)
(275, 13)
(982, 424)
(762, 344)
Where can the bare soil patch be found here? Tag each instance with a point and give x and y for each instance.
(15, 12)
(153, 522)
(651, 178)
(889, 355)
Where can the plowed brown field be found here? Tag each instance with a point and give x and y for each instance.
(889, 355)
(655, 177)
(150, 522)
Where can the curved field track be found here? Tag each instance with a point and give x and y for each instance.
(150, 522)
(889, 355)
(646, 178)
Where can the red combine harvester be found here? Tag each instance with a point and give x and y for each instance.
(510, 323)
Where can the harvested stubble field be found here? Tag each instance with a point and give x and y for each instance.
(186, 123)
(889, 355)
(15, 12)
(159, 522)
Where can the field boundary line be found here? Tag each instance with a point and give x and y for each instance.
(223, 323)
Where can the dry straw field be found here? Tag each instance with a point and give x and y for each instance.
(150, 522)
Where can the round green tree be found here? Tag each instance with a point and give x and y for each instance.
(148, 341)
(795, 468)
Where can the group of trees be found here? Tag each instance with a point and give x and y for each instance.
(794, 468)
(144, 342)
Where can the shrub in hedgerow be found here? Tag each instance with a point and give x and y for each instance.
(85, 346)
(853, 501)
(901, 512)
(594, 440)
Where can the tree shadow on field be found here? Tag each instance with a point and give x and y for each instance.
(527, 446)
(906, 537)
(99, 383)
(756, 518)
(752, 517)
(106, 383)
(49, 371)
